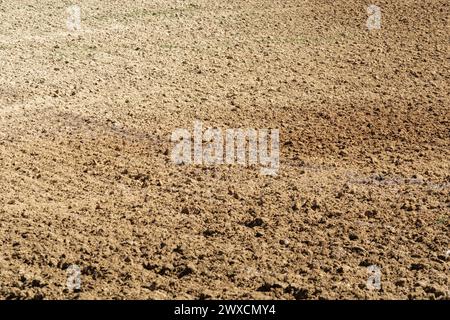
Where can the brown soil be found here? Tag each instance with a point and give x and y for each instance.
(86, 175)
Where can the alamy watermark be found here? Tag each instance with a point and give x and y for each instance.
(73, 21)
(73, 278)
(374, 280)
(214, 146)
(374, 19)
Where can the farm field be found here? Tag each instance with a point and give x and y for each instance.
(359, 207)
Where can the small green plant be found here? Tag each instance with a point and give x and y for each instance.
(443, 219)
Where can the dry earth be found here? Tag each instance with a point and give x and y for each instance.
(87, 178)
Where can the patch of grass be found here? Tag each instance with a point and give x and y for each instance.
(321, 39)
(170, 46)
(443, 219)
(146, 12)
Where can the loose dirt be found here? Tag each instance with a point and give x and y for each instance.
(87, 177)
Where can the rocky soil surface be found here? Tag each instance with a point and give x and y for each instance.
(87, 179)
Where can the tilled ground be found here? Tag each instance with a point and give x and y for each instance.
(87, 178)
